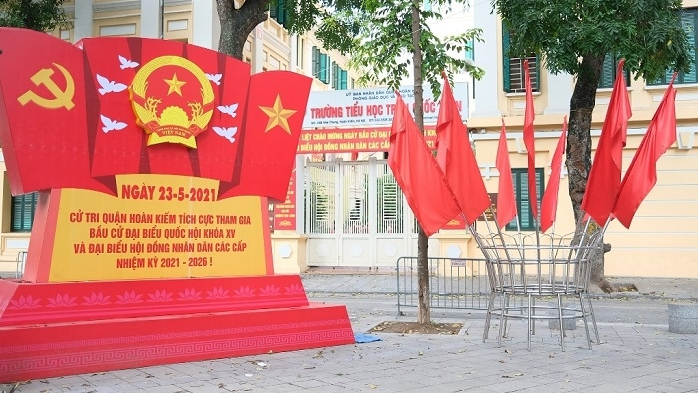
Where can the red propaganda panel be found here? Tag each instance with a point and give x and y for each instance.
(285, 213)
(43, 114)
(77, 116)
(273, 120)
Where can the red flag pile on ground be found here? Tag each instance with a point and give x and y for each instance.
(418, 174)
(604, 178)
(548, 206)
(456, 158)
(506, 199)
(642, 173)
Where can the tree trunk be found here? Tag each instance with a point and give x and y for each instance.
(236, 25)
(423, 310)
(579, 151)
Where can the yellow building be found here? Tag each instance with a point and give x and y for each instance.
(268, 47)
(661, 241)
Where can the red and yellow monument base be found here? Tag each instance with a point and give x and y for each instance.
(150, 244)
(50, 326)
(56, 329)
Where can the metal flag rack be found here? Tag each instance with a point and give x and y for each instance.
(533, 266)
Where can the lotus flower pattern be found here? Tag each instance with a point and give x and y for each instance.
(25, 302)
(244, 292)
(96, 299)
(62, 301)
(295, 289)
(189, 294)
(129, 297)
(269, 290)
(160, 296)
(217, 293)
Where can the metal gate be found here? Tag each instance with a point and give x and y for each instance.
(356, 215)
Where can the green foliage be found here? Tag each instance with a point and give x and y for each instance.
(377, 35)
(647, 33)
(40, 15)
(384, 46)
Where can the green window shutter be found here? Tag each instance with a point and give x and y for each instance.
(343, 79)
(23, 207)
(505, 59)
(513, 70)
(324, 68)
(335, 76)
(525, 216)
(315, 62)
(278, 12)
(688, 22)
(607, 73)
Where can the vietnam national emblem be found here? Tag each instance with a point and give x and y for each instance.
(172, 100)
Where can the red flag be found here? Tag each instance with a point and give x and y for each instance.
(276, 103)
(418, 174)
(506, 200)
(642, 173)
(456, 158)
(43, 117)
(604, 178)
(529, 138)
(548, 206)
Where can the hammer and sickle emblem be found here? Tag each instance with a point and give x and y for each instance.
(61, 98)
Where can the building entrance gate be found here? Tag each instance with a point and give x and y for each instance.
(356, 215)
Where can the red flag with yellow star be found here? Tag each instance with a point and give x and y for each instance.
(276, 105)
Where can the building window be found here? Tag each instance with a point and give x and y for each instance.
(608, 72)
(689, 22)
(514, 78)
(300, 52)
(470, 50)
(520, 179)
(23, 207)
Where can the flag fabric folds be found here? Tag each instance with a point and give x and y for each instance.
(529, 138)
(548, 206)
(641, 176)
(604, 178)
(456, 158)
(506, 199)
(418, 174)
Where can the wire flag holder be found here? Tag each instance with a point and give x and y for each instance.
(531, 266)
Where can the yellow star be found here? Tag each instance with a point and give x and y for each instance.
(175, 85)
(278, 116)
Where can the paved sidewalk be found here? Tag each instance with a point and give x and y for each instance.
(635, 355)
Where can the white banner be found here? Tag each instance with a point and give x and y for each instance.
(372, 107)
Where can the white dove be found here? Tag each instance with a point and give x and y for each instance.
(215, 78)
(111, 125)
(226, 132)
(229, 109)
(108, 86)
(126, 63)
